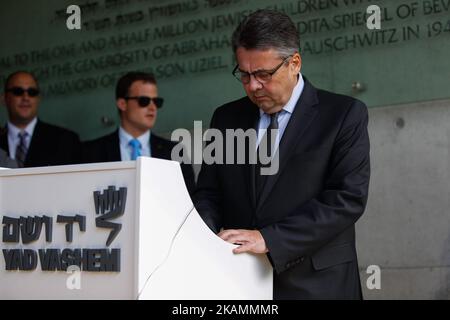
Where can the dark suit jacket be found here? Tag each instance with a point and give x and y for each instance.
(5, 161)
(49, 146)
(107, 149)
(307, 211)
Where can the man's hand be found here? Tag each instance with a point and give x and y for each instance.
(249, 240)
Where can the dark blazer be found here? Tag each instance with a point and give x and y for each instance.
(49, 146)
(107, 149)
(5, 161)
(307, 211)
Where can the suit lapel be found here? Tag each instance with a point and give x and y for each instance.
(301, 118)
(38, 141)
(113, 148)
(4, 139)
(158, 149)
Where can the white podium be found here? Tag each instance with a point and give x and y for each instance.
(122, 230)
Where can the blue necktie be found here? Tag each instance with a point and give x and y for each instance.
(135, 148)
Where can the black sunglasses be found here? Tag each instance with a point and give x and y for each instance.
(145, 101)
(18, 91)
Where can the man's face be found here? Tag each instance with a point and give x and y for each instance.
(22, 108)
(273, 95)
(136, 119)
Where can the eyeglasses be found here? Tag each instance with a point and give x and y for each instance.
(261, 76)
(145, 101)
(18, 91)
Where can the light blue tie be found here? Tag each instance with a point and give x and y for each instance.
(135, 148)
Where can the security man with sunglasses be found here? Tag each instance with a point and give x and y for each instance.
(27, 139)
(138, 102)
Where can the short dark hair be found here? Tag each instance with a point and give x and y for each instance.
(125, 82)
(12, 75)
(267, 29)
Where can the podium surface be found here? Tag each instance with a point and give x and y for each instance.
(122, 230)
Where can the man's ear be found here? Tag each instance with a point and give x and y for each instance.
(121, 104)
(297, 62)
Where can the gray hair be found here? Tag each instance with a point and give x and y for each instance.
(267, 29)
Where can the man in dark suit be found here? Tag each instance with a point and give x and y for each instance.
(137, 100)
(302, 216)
(28, 140)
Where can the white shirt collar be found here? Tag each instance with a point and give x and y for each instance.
(14, 131)
(125, 137)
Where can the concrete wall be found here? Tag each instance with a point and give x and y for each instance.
(406, 227)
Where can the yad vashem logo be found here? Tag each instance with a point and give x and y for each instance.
(110, 205)
(26, 230)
